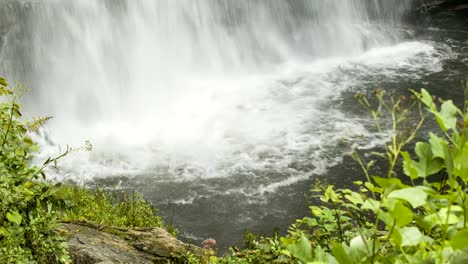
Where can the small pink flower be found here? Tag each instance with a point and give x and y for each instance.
(208, 243)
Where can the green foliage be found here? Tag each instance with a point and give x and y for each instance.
(391, 219)
(28, 216)
(117, 208)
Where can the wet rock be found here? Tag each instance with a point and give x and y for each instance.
(90, 243)
(437, 5)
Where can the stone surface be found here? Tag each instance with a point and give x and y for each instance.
(90, 243)
(444, 4)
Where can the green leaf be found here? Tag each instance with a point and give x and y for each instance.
(3, 82)
(19, 152)
(371, 204)
(3, 231)
(426, 165)
(340, 254)
(330, 194)
(302, 250)
(460, 240)
(447, 117)
(415, 196)
(460, 163)
(355, 198)
(401, 213)
(214, 259)
(16, 111)
(437, 146)
(442, 217)
(426, 98)
(389, 182)
(411, 236)
(397, 237)
(14, 217)
(5, 91)
(409, 166)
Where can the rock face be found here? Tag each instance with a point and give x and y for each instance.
(90, 243)
(444, 4)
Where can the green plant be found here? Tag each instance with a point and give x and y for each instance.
(417, 217)
(28, 206)
(111, 208)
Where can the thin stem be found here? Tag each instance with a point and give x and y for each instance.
(364, 169)
(10, 120)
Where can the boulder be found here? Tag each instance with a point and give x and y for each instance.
(90, 243)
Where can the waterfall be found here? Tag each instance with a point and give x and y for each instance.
(188, 80)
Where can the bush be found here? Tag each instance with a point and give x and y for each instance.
(418, 217)
(28, 216)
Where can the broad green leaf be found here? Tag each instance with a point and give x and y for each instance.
(397, 237)
(437, 146)
(460, 240)
(330, 194)
(411, 236)
(423, 223)
(389, 182)
(447, 117)
(410, 166)
(401, 213)
(371, 204)
(340, 254)
(415, 196)
(387, 218)
(426, 165)
(426, 98)
(460, 163)
(373, 188)
(355, 198)
(442, 217)
(14, 217)
(302, 250)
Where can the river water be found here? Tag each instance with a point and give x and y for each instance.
(222, 113)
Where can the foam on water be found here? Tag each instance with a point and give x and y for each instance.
(251, 125)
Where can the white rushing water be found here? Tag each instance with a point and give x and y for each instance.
(197, 89)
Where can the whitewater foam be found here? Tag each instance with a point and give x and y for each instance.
(263, 124)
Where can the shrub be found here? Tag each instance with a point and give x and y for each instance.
(28, 216)
(418, 217)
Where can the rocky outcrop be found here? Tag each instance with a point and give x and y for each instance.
(90, 243)
(437, 5)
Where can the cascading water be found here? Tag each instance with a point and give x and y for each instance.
(206, 98)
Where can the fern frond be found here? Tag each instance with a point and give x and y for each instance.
(37, 123)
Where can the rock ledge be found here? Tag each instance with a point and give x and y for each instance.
(91, 243)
